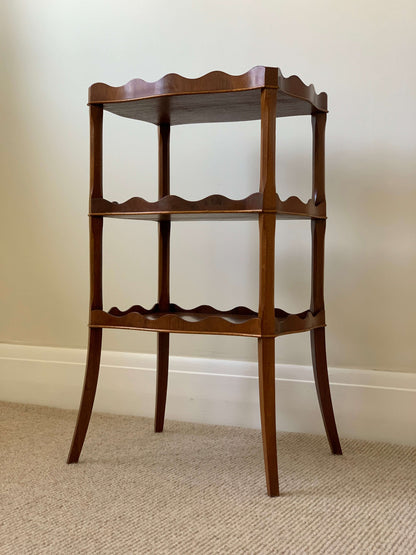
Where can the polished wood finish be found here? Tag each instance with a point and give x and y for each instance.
(214, 97)
(214, 207)
(261, 93)
(320, 371)
(267, 224)
(267, 385)
(96, 291)
(88, 394)
(205, 320)
(318, 346)
(163, 280)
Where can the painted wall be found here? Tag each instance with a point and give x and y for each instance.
(362, 53)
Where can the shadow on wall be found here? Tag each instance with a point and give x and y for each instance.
(371, 261)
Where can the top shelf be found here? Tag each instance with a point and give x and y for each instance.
(215, 97)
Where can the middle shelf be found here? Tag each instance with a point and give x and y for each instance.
(205, 320)
(213, 207)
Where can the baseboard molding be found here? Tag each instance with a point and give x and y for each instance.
(371, 405)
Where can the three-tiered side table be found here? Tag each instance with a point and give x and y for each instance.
(260, 94)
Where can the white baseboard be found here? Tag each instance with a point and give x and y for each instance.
(368, 404)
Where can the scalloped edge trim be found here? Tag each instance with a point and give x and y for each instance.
(166, 204)
(176, 310)
(206, 319)
(295, 87)
(256, 73)
(173, 84)
(173, 204)
(294, 205)
(208, 323)
(287, 322)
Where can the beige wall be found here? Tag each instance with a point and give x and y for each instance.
(362, 53)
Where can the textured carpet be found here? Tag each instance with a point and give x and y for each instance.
(195, 489)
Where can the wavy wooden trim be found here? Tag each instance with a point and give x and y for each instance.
(295, 87)
(213, 204)
(173, 84)
(172, 204)
(204, 319)
(174, 308)
(295, 206)
(293, 323)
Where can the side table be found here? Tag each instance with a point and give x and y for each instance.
(260, 94)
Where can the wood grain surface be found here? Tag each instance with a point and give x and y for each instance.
(214, 97)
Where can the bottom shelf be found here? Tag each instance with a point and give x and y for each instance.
(204, 320)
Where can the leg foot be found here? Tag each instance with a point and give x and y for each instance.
(88, 394)
(320, 370)
(268, 412)
(161, 379)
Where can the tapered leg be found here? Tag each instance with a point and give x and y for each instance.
(268, 412)
(88, 394)
(161, 379)
(267, 225)
(163, 279)
(266, 352)
(320, 370)
(162, 368)
(96, 292)
(320, 367)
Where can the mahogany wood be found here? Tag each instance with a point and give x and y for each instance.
(88, 394)
(319, 361)
(267, 386)
(318, 196)
(205, 320)
(96, 293)
(214, 207)
(261, 93)
(267, 223)
(163, 278)
(320, 371)
(202, 319)
(216, 96)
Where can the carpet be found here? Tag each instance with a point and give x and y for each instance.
(195, 489)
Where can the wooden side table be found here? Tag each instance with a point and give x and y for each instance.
(261, 93)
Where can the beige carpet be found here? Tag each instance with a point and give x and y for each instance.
(195, 489)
